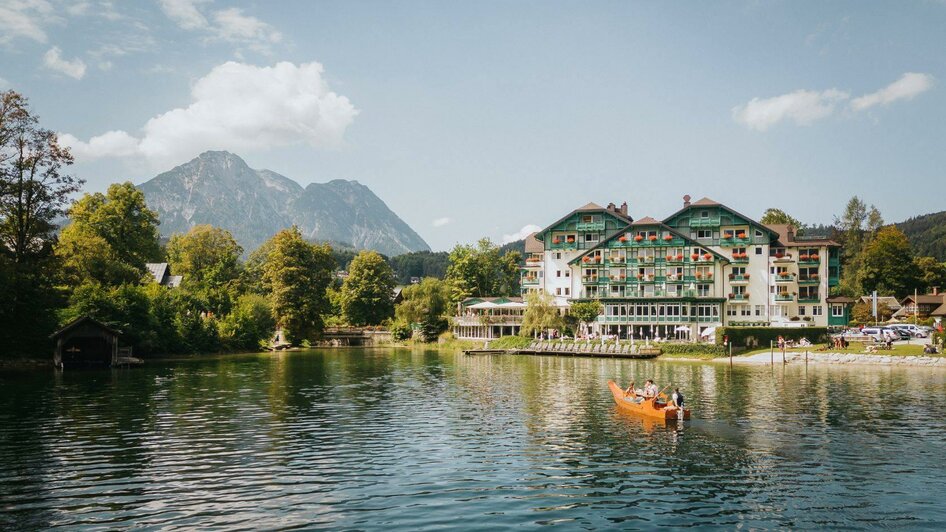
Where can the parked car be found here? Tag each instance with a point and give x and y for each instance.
(913, 330)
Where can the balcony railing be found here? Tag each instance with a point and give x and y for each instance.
(784, 278)
(704, 222)
(739, 297)
(530, 280)
(784, 297)
(809, 260)
(563, 244)
(590, 226)
(809, 279)
(809, 298)
(632, 242)
(734, 242)
(734, 278)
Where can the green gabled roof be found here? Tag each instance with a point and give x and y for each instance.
(589, 207)
(707, 202)
(647, 222)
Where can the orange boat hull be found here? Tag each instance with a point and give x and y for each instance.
(649, 407)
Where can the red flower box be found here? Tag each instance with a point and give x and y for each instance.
(571, 240)
(694, 256)
(745, 276)
(622, 239)
(653, 238)
(680, 256)
(707, 256)
(638, 238)
(779, 255)
(814, 257)
(669, 257)
(668, 238)
(557, 241)
(586, 259)
(742, 235)
(803, 257)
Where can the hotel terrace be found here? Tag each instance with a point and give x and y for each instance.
(704, 266)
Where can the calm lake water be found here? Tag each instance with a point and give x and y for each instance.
(413, 439)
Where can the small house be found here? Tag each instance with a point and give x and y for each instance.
(161, 272)
(85, 342)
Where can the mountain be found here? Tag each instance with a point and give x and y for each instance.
(218, 188)
(927, 233)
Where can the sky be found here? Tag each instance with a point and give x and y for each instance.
(473, 119)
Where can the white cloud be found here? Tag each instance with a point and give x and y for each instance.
(802, 107)
(524, 232)
(185, 14)
(440, 222)
(53, 60)
(24, 18)
(907, 87)
(234, 26)
(237, 107)
(110, 144)
(230, 25)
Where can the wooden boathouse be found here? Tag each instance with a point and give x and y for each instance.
(85, 342)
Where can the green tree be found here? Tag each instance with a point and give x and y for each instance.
(208, 258)
(874, 220)
(34, 190)
(888, 265)
(297, 274)
(110, 238)
(367, 292)
(425, 306)
(481, 270)
(585, 311)
(931, 272)
(863, 313)
(773, 216)
(541, 315)
(248, 324)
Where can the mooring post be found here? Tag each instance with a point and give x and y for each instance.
(730, 354)
(771, 353)
(806, 357)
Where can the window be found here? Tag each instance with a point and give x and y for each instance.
(568, 273)
(558, 273)
(558, 256)
(758, 233)
(816, 311)
(558, 291)
(801, 310)
(704, 214)
(837, 311)
(591, 237)
(567, 290)
(759, 310)
(704, 233)
(758, 249)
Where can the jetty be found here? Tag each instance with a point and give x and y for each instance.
(582, 349)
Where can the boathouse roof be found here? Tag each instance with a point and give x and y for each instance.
(84, 320)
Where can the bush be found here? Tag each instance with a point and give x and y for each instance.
(401, 331)
(249, 323)
(693, 349)
(761, 336)
(510, 342)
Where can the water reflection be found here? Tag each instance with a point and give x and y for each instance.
(408, 439)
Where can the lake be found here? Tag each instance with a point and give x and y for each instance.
(402, 439)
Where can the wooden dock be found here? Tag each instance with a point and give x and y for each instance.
(587, 349)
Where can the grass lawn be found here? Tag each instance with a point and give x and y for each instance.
(691, 356)
(854, 348)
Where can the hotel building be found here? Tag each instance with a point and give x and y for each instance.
(704, 266)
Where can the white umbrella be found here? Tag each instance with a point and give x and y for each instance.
(710, 331)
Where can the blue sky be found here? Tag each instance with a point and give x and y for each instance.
(479, 119)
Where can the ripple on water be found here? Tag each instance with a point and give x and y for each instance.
(408, 440)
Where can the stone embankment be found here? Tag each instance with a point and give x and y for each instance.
(844, 358)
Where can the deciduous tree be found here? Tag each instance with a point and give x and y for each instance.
(367, 292)
(426, 306)
(541, 315)
(297, 274)
(208, 258)
(481, 271)
(888, 265)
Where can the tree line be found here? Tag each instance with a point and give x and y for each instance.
(95, 266)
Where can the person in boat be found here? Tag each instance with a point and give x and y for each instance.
(630, 390)
(650, 389)
(677, 399)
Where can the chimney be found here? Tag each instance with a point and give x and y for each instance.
(624, 208)
(935, 290)
(686, 201)
(611, 206)
(790, 234)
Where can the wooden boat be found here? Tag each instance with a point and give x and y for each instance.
(653, 407)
